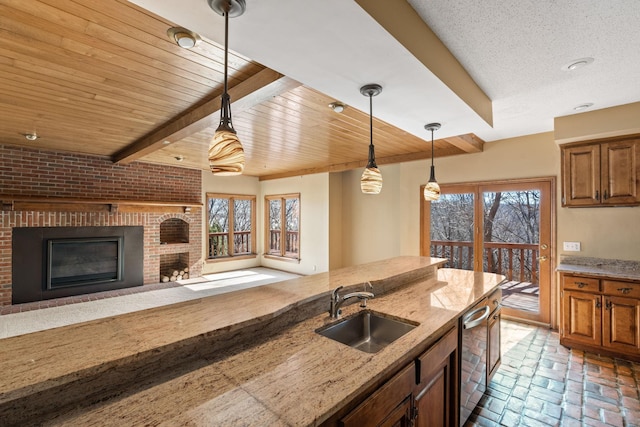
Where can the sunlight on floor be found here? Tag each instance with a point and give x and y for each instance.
(232, 278)
(512, 333)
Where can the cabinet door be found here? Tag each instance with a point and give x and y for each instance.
(621, 324)
(401, 416)
(581, 317)
(377, 409)
(493, 345)
(620, 177)
(436, 383)
(581, 175)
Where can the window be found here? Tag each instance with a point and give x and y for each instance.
(283, 224)
(231, 218)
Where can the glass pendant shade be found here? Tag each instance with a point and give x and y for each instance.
(226, 155)
(432, 189)
(371, 181)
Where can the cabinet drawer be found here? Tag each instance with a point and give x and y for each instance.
(581, 284)
(623, 289)
(429, 362)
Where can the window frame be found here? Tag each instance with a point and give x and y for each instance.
(283, 255)
(230, 234)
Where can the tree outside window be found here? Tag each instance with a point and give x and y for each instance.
(283, 222)
(231, 225)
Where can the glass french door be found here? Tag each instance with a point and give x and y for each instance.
(503, 228)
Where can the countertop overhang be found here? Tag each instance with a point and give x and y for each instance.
(292, 376)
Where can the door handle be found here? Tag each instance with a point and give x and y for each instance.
(467, 323)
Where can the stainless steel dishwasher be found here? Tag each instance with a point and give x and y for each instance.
(473, 357)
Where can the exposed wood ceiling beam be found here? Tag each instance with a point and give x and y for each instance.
(468, 143)
(245, 95)
(460, 144)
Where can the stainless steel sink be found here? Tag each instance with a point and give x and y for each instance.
(367, 330)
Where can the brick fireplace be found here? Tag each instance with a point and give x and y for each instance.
(47, 189)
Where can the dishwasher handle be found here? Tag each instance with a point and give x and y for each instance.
(468, 321)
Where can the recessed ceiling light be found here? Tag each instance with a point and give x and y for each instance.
(179, 158)
(583, 106)
(336, 106)
(577, 63)
(166, 142)
(31, 136)
(184, 38)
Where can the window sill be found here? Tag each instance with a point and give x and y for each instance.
(281, 258)
(230, 258)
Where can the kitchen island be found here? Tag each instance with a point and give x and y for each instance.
(250, 357)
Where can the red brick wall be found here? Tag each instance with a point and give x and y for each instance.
(29, 172)
(39, 173)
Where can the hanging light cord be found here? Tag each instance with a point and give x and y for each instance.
(226, 48)
(372, 158)
(432, 147)
(225, 113)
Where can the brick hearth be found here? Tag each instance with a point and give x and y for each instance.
(42, 174)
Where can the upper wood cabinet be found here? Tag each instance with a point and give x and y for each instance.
(601, 173)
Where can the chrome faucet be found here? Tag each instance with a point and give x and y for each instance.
(337, 301)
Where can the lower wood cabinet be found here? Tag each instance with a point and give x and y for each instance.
(601, 315)
(386, 406)
(493, 337)
(422, 394)
(436, 384)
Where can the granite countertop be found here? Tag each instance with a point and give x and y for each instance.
(600, 267)
(293, 377)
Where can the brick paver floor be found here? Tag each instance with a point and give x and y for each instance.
(541, 383)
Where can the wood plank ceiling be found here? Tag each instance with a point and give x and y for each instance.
(103, 78)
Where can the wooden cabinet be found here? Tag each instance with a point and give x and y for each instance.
(493, 345)
(581, 320)
(436, 380)
(386, 406)
(424, 393)
(601, 173)
(601, 315)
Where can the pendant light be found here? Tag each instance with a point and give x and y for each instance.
(432, 189)
(226, 155)
(371, 181)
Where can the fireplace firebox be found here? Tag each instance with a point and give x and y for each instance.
(79, 262)
(54, 262)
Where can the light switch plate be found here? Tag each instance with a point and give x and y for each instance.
(571, 246)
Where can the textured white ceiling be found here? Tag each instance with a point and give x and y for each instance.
(514, 50)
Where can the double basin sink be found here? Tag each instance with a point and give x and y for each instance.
(367, 330)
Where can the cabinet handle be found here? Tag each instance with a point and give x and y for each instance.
(597, 195)
(598, 303)
(605, 195)
(608, 305)
(625, 290)
(581, 284)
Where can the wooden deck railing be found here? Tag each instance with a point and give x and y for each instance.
(517, 261)
(219, 244)
(292, 243)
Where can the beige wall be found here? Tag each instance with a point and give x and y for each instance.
(603, 232)
(336, 259)
(314, 221)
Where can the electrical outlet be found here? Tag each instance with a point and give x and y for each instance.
(571, 246)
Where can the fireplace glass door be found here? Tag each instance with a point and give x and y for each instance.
(77, 262)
